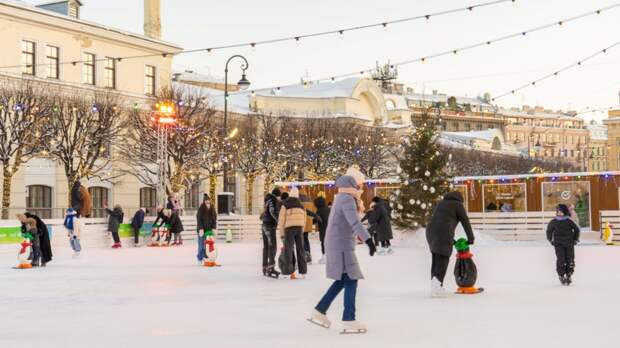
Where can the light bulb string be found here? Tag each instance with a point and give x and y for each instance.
(461, 49)
(561, 70)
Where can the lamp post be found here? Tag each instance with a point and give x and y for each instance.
(164, 117)
(243, 84)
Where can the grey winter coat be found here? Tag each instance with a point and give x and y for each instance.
(343, 227)
(446, 216)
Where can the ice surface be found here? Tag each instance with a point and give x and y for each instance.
(150, 297)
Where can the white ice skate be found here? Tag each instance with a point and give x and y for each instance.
(320, 319)
(390, 251)
(437, 290)
(322, 260)
(76, 254)
(353, 327)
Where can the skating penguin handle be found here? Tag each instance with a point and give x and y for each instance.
(24, 252)
(211, 250)
(608, 234)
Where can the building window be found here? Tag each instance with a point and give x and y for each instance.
(28, 57)
(192, 196)
(148, 199)
(149, 80)
(88, 68)
(109, 73)
(100, 199)
(52, 54)
(39, 201)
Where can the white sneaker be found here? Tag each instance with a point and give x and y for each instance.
(353, 327)
(320, 319)
(437, 290)
(322, 260)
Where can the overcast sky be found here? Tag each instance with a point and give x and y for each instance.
(495, 69)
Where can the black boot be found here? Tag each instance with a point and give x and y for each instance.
(568, 279)
(563, 279)
(272, 273)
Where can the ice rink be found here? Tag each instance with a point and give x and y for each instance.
(158, 297)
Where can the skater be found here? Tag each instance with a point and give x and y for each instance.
(206, 223)
(322, 211)
(291, 224)
(309, 227)
(176, 227)
(73, 225)
(563, 234)
(269, 217)
(342, 265)
(136, 224)
(31, 229)
(173, 203)
(115, 219)
(44, 237)
(440, 236)
(81, 201)
(160, 227)
(76, 197)
(383, 226)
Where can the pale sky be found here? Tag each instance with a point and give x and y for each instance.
(495, 69)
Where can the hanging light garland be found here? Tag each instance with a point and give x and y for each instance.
(293, 38)
(557, 72)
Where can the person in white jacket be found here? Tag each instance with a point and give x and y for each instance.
(73, 225)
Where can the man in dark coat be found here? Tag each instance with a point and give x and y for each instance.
(206, 221)
(440, 236)
(269, 218)
(136, 224)
(563, 234)
(44, 237)
(76, 197)
(322, 211)
(383, 225)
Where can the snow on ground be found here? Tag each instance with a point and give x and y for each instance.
(151, 297)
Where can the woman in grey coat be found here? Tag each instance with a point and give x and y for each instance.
(340, 240)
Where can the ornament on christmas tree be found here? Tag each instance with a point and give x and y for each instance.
(424, 187)
(427, 173)
(432, 189)
(412, 201)
(451, 186)
(400, 207)
(399, 170)
(416, 168)
(436, 153)
(423, 205)
(418, 202)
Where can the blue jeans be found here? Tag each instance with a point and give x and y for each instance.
(202, 251)
(75, 244)
(350, 289)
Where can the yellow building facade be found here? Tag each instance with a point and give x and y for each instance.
(613, 139)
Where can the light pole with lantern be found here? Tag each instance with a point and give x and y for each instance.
(164, 117)
(243, 84)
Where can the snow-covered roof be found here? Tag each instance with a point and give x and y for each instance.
(545, 115)
(442, 97)
(597, 131)
(486, 135)
(192, 76)
(340, 88)
(32, 8)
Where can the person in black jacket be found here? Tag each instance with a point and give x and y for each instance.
(43, 233)
(76, 197)
(176, 227)
(440, 236)
(322, 211)
(563, 234)
(136, 224)
(269, 218)
(115, 220)
(383, 225)
(206, 220)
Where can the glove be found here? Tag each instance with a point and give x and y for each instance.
(470, 242)
(371, 246)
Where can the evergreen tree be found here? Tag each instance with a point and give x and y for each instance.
(423, 168)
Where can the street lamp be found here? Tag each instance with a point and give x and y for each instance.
(243, 84)
(164, 117)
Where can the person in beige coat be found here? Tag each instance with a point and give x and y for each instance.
(291, 222)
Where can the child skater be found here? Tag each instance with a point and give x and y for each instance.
(72, 224)
(31, 227)
(563, 234)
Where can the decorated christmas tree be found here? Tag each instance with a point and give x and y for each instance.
(423, 167)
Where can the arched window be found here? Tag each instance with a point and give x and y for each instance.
(192, 196)
(100, 198)
(148, 199)
(39, 201)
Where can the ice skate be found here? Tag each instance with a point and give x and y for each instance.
(353, 327)
(563, 279)
(381, 251)
(116, 245)
(390, 251)
(568, 280)
(437, 290)
(76, 254)
(271, 273)
(319, 319)
(322, 260)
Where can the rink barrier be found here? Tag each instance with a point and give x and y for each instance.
(95, 235)
(612, 217)
(518, 226)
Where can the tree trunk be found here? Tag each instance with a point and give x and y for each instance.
(249, 189)
(268, 183)
(212, 187)
(7, 180)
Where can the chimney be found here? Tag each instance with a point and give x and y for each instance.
(152, 19)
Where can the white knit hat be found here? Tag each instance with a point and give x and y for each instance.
(356, 174)
(294, 192)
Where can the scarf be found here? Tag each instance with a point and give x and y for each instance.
(355, 193)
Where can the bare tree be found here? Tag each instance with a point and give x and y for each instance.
(84, 128)
(24, 109)
(370, 148)
(194, 128)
